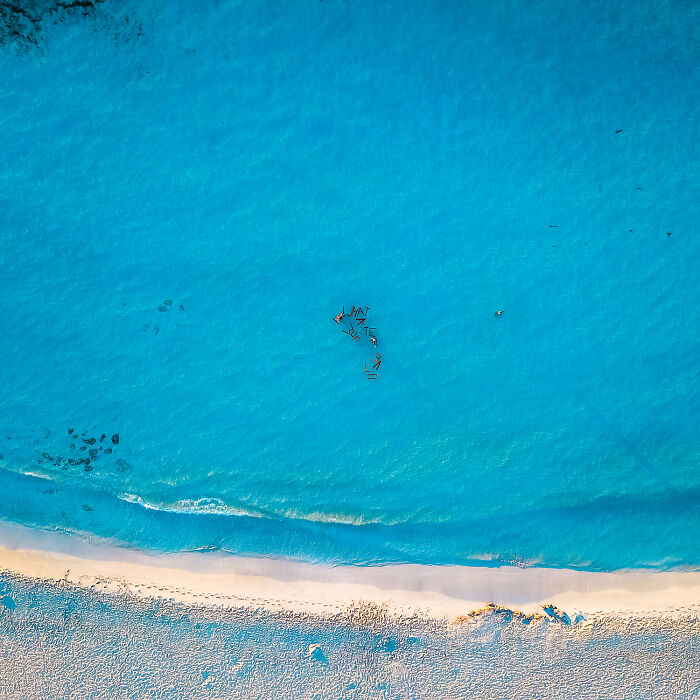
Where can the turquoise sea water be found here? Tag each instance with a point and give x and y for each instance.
(262, 165)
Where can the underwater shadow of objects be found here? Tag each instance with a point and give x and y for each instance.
(626, 442)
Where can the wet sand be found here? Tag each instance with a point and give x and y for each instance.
(436, 592)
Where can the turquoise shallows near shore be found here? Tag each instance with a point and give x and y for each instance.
(183, 213)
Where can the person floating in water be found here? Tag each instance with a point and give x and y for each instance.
(374, 340)
(338, 318)
(498, 313)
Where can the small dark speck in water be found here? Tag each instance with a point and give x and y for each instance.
(86, 507)
(88, 467)
(182, 308)
(162, 308)
(115, 438)
(168, 302)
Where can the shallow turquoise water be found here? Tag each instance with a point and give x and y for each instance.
(262, 165)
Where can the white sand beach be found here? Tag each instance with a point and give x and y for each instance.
(439, 592)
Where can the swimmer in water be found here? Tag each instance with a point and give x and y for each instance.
(498, 313)
(338, 317)
(374, 340)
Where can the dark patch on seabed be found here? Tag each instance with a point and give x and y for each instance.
(76, 449)
(22, 22)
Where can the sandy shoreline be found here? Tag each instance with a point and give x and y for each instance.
(440, 592)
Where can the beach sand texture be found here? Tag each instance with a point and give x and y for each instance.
(97, 645)
(112, 622)
(437, 592)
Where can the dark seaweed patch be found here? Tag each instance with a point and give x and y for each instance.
(23, 21)
(96, 457)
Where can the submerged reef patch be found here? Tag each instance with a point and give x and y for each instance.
(74, 449)
(22, 22)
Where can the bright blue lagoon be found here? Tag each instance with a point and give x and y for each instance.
(260, 165)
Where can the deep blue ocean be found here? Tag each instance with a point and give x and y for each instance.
(191, 192)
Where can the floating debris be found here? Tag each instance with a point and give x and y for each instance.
(358, 315)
